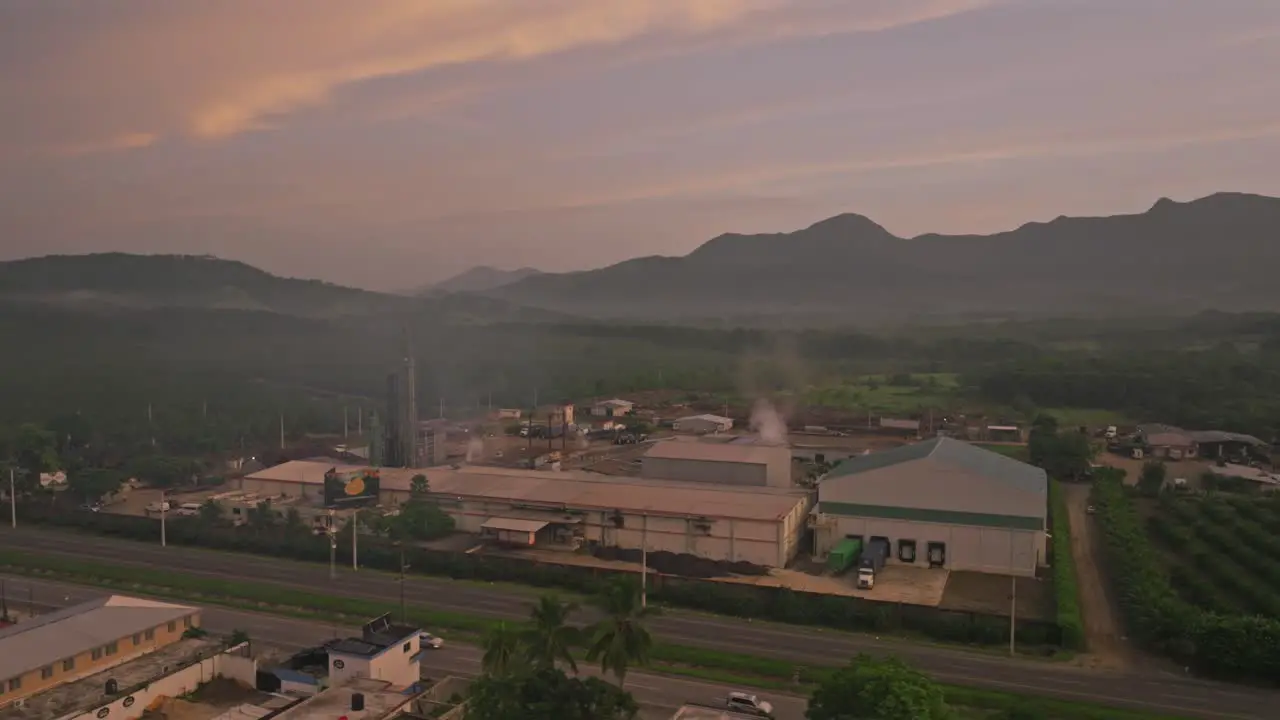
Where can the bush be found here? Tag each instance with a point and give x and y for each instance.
(1065, 586)
(1235, 647)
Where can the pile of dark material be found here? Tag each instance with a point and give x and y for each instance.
(683, 564)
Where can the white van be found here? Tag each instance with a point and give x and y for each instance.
(188, 510)
(158, 506)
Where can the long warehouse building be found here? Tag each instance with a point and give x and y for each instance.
(939, 503)
(759, 525)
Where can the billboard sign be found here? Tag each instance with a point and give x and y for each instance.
(351, 488)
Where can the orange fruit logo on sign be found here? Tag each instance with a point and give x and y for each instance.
(355, 486)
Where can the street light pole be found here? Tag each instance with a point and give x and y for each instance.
(1013, 601)
(403, 615)
(355, 530)
(13, 501)
(163, 507)
(333, 548)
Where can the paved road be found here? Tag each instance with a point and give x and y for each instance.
(1148, 689)
(659, 695)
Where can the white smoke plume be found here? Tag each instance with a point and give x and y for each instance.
(768, 424)
(475, 449)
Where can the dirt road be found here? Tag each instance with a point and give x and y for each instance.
(1102, 628)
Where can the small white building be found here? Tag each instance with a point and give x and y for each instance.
(703, 424)
(939, 503)
(384, 651)
(612, 408)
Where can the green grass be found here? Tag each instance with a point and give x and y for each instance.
(1090, 417)
(731, 668)
(874, 394)
(1017, 452)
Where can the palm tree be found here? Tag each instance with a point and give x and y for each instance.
(418, 485)
(621, 639)
(550, 639)
(501, 650)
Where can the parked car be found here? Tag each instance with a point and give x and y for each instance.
(92, 507)
(1089, 510)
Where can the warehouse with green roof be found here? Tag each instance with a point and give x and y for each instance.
(940, 503)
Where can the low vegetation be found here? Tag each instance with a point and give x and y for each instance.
(1065, 587)
(1223, 553)
(542, 642)
(1202, 633)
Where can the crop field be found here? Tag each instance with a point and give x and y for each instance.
(1222, 552)
(889, 395)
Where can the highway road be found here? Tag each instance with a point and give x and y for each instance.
(659, 695)
(1151, 689)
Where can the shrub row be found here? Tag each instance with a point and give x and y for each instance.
(1065, 586)
(745, 601)
(1233, 647)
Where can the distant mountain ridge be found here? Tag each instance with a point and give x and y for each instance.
(1215, 253)
(123, 281)
(481, 278)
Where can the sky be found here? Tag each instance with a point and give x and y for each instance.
(391, 143)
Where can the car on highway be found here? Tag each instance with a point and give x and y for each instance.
(749, 704)
(429, 641)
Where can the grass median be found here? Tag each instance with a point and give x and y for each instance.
(697, 663)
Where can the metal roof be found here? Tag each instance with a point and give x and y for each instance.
(513, 524)
(707, 417)
(575, 490)
(752, 453)
(956, 453)
(72, 631)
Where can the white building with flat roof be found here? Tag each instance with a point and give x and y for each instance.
(756, 524)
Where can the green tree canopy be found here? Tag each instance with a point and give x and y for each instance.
(92, 485)
(547, 694)
(1152, 479)
(550, 639)
(877, 689)
(621, 639)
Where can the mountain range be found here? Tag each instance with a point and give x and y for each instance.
(1216, 253)
(481, 278)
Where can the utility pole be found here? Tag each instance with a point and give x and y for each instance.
(1013, 603)
(403, 615)
(355, 532)
(442, 406)
(644, 574)
(13, 501)
(333, 548)
(345, 433)
(360, 421)
(281, 431)
(164, 505)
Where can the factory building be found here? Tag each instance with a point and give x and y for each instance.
(761, 525)
(939, 503)
(702, 424)
(721, 463)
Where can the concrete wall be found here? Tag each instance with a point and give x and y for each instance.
(977, 549)
(126, 648)
(232, 664)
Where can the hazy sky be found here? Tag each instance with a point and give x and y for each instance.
(388, 143)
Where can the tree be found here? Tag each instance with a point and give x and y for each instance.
(875, 689)
(547, 694)
(91, 485)
(262, 516)
(501, 650)
(35, 451)
(1151, 481)
(418, 486)
(211, 512)
(1063, 455)
(550, 639)
(620, 640)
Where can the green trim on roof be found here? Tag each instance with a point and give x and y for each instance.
(947, 517)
